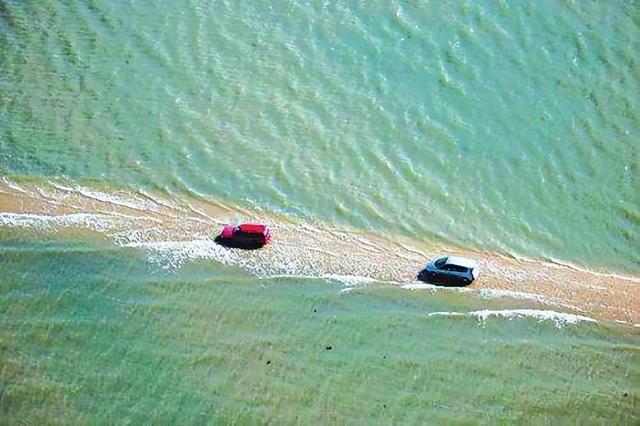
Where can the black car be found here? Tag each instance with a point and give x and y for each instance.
(451, 271)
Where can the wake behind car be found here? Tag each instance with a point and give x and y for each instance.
(450, 271)
(246, 235)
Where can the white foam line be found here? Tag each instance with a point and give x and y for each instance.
(559, 319)
(350, 280)
(574, 267)
(97, 222)
(13, 185)
(173, 254)
(492, 293)
(286, 276)
(115, 200)
(416, 286)
(446, 314)
(61, 187)
(419, 286)
(627, 323)
(132, 203)
(132, 217)
(55, 200)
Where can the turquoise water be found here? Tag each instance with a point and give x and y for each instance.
(102, 334)
(505, 127)
(510, 128)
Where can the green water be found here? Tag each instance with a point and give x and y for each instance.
(101, 334)
(488, 125)
(508, 127)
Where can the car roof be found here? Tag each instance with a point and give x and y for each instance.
(461, 261)
(252, 228)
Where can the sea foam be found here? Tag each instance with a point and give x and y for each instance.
(559, 319)
(93, 221)
(350, 280)
(425, 286)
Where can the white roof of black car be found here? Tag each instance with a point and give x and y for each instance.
(461, 261)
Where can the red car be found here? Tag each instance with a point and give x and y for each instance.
(246, 235)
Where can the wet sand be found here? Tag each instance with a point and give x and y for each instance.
(174, 231)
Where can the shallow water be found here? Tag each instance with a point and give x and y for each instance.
(508, 127)
(504, 129)
(111, 334)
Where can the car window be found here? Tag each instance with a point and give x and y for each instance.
(457, 268)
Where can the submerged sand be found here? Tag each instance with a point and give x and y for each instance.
(174, 231)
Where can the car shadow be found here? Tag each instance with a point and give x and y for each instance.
(237, 245)
(428, 280)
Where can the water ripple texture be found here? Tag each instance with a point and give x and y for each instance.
(509, 127)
